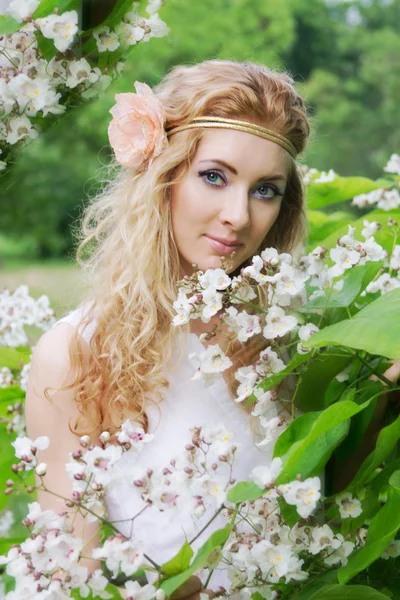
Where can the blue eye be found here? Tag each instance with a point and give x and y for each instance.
(265, 188)
(211, 177)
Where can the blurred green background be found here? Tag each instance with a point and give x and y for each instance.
(343, 55)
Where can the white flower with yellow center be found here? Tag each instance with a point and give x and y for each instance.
(60, 28)
(278, 323)
(348, 506)
(304, 495)
(106, 40)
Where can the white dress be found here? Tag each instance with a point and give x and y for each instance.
(188, 403)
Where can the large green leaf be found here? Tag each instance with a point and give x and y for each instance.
(314, 586)
(322, 224)
(338, 190)
(376, 329)
(46, 7)
(368, 390)
(216, 540)
(386, 442)
(180, 562)
(348, 592)
(308, 453)
(8, 25)
(381, 532)
(354, 282)
(318, 376)
(120, 9)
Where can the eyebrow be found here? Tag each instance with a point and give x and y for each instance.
(277, 176)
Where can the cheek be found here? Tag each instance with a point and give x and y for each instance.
(187, 206)
(264, 218)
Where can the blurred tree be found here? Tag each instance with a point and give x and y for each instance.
(345, 58)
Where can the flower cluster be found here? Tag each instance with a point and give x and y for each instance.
(34, 85)
(348, 253)
(18, 310)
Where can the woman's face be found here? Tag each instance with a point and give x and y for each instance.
(231, 195)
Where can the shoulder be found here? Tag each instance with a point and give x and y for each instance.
(52, 352)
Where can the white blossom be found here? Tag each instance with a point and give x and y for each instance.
(370, 228)
(302, 494)
(60, 28)
(341, 554)
(25, 449)
(106, 40)
(22, 9)
(321, 538)
(392, 551)
(393, 165)
(348, 506)
(390, 200)
(278, 323)
(325, 177)
(120, 554)
(19, 128)
(264, 476)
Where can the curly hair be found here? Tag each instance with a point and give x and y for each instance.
(127, 251)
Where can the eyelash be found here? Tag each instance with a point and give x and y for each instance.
(203, 175)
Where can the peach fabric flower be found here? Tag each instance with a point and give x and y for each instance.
(136, 132)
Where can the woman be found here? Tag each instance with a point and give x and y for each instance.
(209, 169)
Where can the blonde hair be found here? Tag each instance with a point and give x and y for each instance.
(127, 250)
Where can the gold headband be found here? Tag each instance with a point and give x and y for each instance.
(222, 123)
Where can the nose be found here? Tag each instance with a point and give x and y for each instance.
(236, 209)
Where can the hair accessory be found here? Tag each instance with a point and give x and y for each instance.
(136, 132)
(224, 123)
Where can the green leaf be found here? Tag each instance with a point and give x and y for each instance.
(216, 540)
(244, 491)
(120, 9)
(46, 7)
(14, 358)
(180, 562)
(46, 46)
(308, 454)
(386, 441)
(6, 543)
(348, 592)
(316, 585)
(354, 283)
(11, 394)
(383, 237)
(316, 379)
(368, 390)
(376, 329)
(338, 190)
(381, 532)
(8, 25)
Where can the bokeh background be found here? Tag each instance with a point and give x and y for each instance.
(343, 55)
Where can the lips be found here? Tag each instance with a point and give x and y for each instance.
(222, 247)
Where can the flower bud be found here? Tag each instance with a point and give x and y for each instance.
(138, 483)
(77, 454)
(84, 441)
(41, 469)
(30, 489)
(8, 491)
(9, 483)
(104, 437)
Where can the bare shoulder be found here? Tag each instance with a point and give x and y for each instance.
(50, 370)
